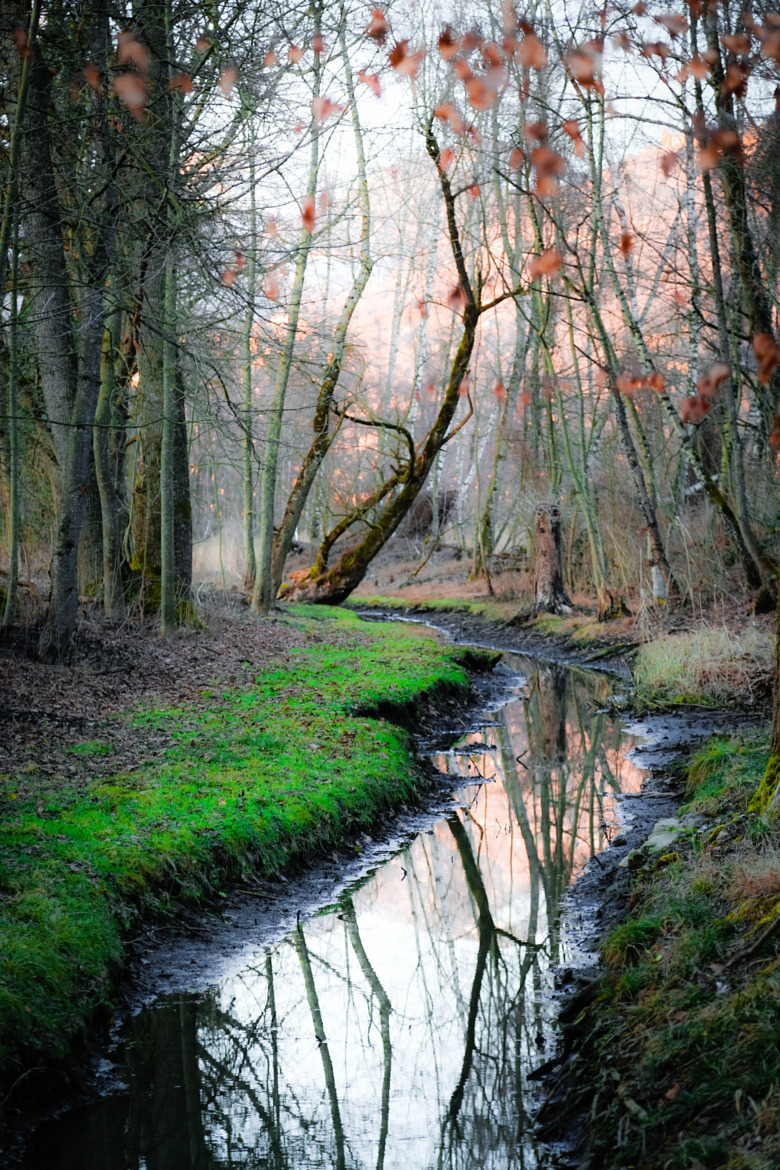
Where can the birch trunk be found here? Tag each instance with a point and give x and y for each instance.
(323, 437)
(263, 592)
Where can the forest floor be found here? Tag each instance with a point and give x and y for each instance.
(148, 774)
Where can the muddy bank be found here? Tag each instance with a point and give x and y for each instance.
(610, 655)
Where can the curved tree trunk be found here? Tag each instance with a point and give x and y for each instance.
(332, 586)
(323, 437)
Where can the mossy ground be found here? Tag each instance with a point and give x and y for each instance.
(683, 1043)
(256, 777)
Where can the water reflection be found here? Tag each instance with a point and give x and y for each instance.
(395, 1030)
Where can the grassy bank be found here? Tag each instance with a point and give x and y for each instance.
(681, 1065)
(256, 778)
(710, 667)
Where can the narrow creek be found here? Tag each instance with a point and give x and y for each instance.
(395, 1026)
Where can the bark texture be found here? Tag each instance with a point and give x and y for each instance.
(551, 595)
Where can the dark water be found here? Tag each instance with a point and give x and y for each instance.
(395, 1029)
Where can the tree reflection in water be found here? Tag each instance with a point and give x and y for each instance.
(393, 1031)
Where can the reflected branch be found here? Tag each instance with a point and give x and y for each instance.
(385, 1008)
(319, 1032)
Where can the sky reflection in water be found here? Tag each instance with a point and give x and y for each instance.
(393, 1032)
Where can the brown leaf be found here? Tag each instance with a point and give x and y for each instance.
(768, 354)
(531, 53)
(131, 90)
(378, 27)
(372, 81)
(307, 213)
(545, 263)
(448, 43)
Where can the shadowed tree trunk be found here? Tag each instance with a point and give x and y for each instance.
(551, 595)
(109, 448)
(69, 355)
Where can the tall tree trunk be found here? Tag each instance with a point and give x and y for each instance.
(167, 457)
(323, 436)
(758, 305)
(70, 387)
(551, 595)
(263, 592)
(90, 555)
(247, 442)
(334, 585)
(60, 620)
(13, 517)
(182, 501)
(108, 444)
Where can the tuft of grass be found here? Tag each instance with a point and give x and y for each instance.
(256, 778)
(627, 943)
(91, 747)
(725, 771)
(709, 667)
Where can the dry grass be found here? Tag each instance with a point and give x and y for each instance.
(712, 666)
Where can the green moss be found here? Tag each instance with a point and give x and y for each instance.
(627, 943)
(91, 747)
(725, 772)
(256, 778)
(768, 786)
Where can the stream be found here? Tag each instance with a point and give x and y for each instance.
(392, 1021)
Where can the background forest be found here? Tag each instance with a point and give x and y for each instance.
(301, 279)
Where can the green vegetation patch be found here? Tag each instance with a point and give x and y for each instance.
(708, 667)
(683, 1042)
(255, 779)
